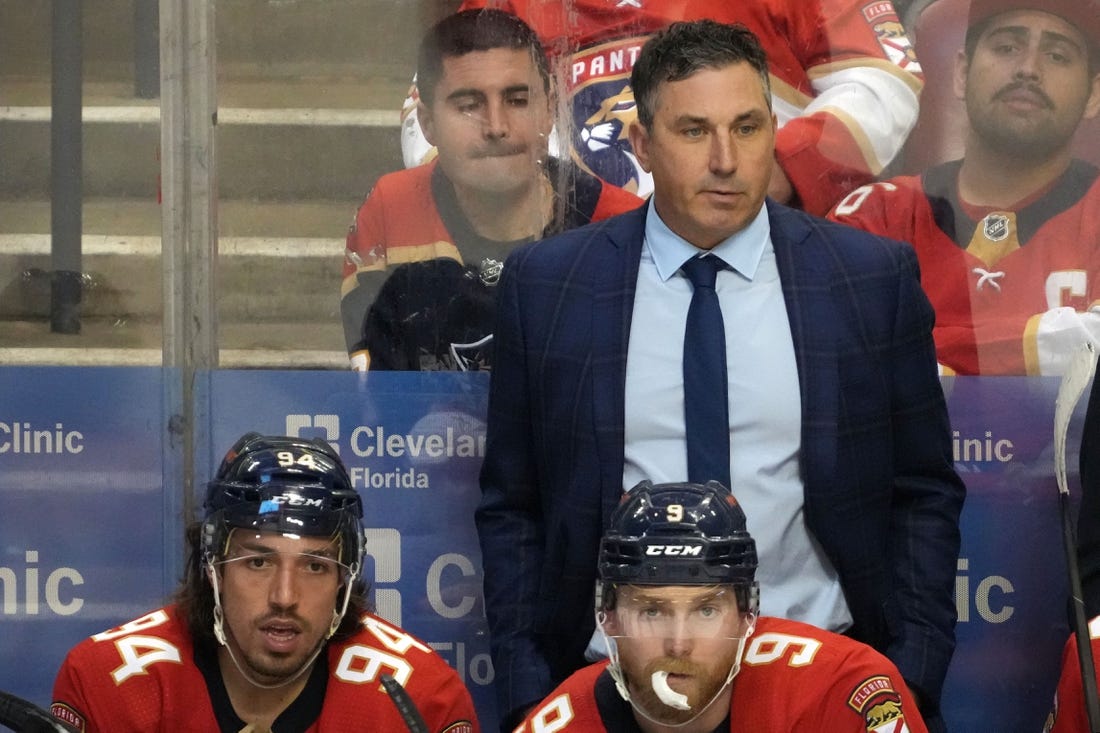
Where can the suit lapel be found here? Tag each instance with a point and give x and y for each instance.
(806, 276)
(615, 275)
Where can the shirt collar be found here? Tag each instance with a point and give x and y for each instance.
(741, 250)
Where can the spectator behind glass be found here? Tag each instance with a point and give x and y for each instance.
(678, 608)
(269, 630)
(441, 231)
(845, 85)
(852, 478)
(1007, 237)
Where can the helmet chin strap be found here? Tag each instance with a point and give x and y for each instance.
(667, 695)
(220, 635)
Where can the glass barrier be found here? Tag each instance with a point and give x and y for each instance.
(361, 221)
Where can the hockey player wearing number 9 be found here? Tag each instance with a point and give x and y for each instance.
(679, 605)
(269, 630)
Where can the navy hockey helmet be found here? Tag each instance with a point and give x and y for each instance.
(679, 534)
(283, 484)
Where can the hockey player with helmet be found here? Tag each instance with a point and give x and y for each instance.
(269, 631)
(688, 653)
(845, 85)
(1007, 236)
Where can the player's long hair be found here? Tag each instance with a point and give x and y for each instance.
(194, 598)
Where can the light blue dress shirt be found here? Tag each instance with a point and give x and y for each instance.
(797, 580)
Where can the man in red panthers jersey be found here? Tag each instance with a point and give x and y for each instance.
(269, 631)
(687, 653)
(427, 246)
(844, 81)
(1008, 238)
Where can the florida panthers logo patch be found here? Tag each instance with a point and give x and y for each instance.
(462, 726)
(603, 108)
(880, 705)
(891, 35)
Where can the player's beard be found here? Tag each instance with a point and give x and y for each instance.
(271, 668)
(707, 683)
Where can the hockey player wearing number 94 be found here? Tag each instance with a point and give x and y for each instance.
(688, 653)
(269, 631)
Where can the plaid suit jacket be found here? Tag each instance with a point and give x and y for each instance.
(881, 493)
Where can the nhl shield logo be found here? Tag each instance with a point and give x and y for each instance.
(996, 227)
(489, 271)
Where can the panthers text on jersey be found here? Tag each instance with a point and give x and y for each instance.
(844, 79)
(147, 675)
(413, 216)
(1012, 290)
(793, 677)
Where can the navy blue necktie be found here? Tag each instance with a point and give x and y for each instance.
(706, 401)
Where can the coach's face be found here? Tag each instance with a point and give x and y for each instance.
(489, 120)
(711, 149)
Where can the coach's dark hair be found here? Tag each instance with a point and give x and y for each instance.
(474, 30)
(684, 48)
(194, 598)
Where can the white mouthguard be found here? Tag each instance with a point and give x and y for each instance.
(666, 694)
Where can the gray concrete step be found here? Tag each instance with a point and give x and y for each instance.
(282, 37)
(281, 150)
(104, 342)
(308, 97)
(279, 303)
(291, 277)
(259, 278)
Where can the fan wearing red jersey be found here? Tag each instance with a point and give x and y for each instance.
(1008, 237)
(445, 229)
(269, 631)
(687, 652)
(844, 80)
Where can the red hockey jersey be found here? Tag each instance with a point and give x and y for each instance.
(1068, 714)
(844, 81)
(794, 677)
(1013, 293)
(413, 216)
(146, 676)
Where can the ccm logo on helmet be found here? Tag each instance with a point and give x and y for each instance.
(674, 550)
(295, 500)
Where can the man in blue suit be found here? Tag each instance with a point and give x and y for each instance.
(838, 431)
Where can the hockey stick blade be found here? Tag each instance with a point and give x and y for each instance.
(1081, 367)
